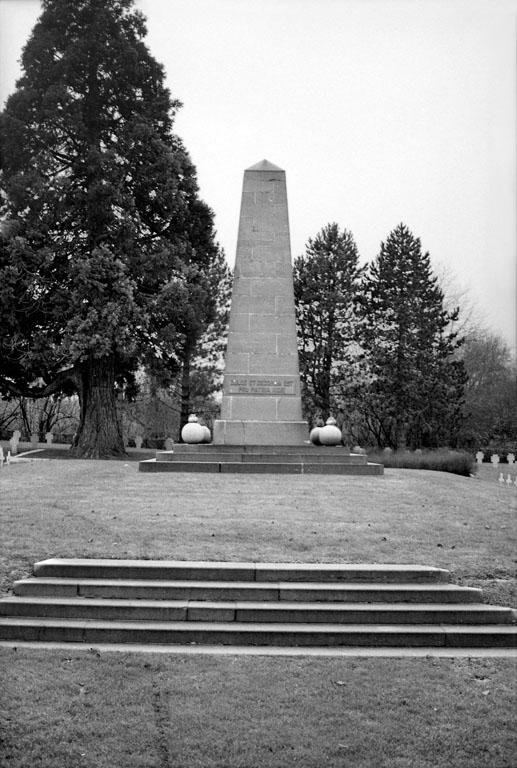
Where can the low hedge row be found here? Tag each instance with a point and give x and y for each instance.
(457, 462)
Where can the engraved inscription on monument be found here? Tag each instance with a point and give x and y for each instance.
(261, 385)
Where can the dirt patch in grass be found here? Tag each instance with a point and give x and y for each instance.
(131, 711)
(109, 509)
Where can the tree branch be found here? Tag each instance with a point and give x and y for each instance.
(56, 385)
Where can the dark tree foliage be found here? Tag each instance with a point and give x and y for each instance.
(203, 352)
(105, 244)
(412, 391)
(326, 284)
(490, 393)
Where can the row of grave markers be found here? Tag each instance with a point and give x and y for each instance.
(49, 437)
(15, 439)
(495, 458)
(509, 480)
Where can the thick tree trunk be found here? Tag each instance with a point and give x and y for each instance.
(185, 391)
(99, 435)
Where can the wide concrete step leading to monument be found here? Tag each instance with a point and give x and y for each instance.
(242, 454)
(263, 467)
(134, 589)
(280, 459)
(260, 612)
(264, 458)
(239, 634)
(243, 604)
(89, 568)
(306, 449)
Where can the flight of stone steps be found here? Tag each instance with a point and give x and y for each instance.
(278, 459)
(243, 604)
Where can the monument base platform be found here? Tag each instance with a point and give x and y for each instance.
(281, 459)
(273, 433)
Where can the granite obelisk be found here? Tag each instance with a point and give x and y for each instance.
(261, 403)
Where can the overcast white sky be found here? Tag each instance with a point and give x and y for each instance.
(380, 111)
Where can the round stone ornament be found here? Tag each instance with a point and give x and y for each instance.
(193, 432)
(314, 436)
(330, 434)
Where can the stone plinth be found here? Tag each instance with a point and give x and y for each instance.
(261, 402)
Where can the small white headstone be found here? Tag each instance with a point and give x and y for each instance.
(495, 459)
(509, 479)
(1, 457)
(169, 444)
(8, 459)
(511, 458)
(501, 478)
(479, 457)
(34, 439)
(138, 441)
(13, 442)
(49, 437)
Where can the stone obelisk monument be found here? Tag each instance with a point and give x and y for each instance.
(261, 402)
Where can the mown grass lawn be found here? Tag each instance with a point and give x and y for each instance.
(64, 708)
(109, 509)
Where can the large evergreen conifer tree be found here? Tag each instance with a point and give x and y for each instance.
(326, 283)
(413, 388)
(105, 244)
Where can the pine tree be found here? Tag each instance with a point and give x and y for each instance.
(203, 362)
(105, 245)
(413, 389)
(326, 283)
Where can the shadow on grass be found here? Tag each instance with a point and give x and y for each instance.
(64, 453)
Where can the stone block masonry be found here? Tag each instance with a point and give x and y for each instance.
(261, 402)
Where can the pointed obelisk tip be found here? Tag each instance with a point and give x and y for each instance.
(264, 165)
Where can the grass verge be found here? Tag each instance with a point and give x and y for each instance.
(130, 711)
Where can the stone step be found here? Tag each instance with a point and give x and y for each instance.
(306, 449)
(247, 612)
(174, 570)
(239, 633)
(254, 467)
(267, 457)
(246, 591)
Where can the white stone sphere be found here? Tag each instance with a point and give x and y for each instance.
(192, 432)
(314, 436)
(330, 435)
